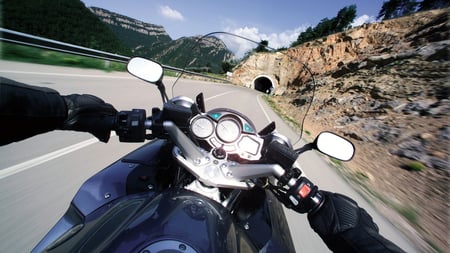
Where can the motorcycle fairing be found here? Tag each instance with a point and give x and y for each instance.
(132, 224)
(122, 178)
(117, 205)
(101, 190)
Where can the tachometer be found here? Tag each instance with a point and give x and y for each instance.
(202, 127)
(228, 130)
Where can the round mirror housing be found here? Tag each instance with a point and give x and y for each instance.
(335, 146)
(145, 69)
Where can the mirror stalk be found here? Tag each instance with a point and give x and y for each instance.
(162, 90)
(307, 147)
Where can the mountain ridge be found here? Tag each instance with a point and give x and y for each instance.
(154, 42)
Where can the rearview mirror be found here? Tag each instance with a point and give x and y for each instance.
(335, 146)
(145, 69)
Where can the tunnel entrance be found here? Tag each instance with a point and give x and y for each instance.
(263, 84)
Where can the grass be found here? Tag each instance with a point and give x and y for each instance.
(14, 52)
(283, 115)
(409, 213)
(362, 176)
(415, 166)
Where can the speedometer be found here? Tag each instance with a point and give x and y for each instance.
(228, 130)
(202, 127)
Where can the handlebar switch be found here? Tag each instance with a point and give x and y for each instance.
(305, 197)
(131, 125)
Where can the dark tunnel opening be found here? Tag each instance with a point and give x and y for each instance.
(263, 84)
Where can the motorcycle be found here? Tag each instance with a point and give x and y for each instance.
(207, 181)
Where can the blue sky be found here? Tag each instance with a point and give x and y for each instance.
(279, 22)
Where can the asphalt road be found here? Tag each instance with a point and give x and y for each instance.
(40, 175)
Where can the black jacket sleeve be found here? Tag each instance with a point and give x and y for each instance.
(346, 227)
(27, 110)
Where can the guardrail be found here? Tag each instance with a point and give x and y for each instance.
(20, 38)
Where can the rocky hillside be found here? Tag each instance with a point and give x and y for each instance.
(386, 87)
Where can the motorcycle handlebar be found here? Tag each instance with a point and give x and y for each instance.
(302, 196)
(281, 154)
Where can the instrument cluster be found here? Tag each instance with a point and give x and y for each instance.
(227, 132)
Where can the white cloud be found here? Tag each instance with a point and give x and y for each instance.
(362, 20)
(170, 13)
(276, 40)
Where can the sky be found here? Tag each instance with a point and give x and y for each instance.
(279, 22)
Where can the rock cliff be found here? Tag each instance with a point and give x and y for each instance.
(128, 23)
(385, 86)
(367, 46)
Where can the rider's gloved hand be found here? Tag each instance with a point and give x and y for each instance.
(346, 227)
(88, 113)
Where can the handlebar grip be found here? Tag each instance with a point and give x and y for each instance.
(281, 154)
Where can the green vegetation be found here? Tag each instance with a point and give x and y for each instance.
(63, 20)
(327, 26)
(344, 18)
(398, 8)
(134, 39)
(283, 115)
(29, 54)
(206, 55)
(415, 166)
(71, 22)
(337, 162)
(362, 176)
(409, 213)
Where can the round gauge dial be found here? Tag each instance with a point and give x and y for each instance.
(228, 130)
(202, 127)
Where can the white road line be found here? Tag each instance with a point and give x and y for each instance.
(65, 74)
(262, 108)
(219, 95)
(44, 158)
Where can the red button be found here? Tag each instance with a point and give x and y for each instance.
(304, 191)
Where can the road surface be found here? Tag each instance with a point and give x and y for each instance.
(40, 175)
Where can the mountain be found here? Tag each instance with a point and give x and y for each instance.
(72, 22)
(63, 20)
(133, 33)
(202, 54)
(152, 41)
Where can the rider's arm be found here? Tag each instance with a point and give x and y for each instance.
(346, 227)
(27, 110)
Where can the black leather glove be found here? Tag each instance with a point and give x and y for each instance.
(88, 113)
(345, 227)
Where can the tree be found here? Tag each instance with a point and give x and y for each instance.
(307, 35)
(64, 20)
(397, 8)
(433, 4)
(262, 46)
(344, 18)
(227, 66)
(327, 26)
